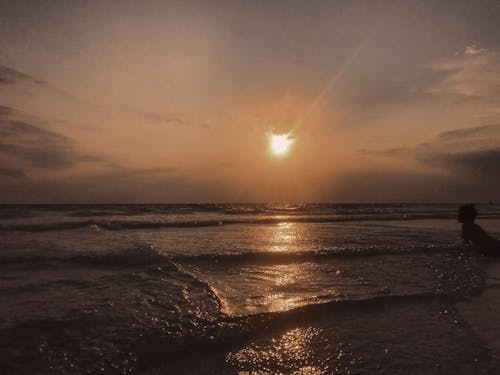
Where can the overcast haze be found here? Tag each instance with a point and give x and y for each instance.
(174, 101)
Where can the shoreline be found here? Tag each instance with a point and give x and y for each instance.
(482, 312)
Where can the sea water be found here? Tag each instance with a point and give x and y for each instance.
(239, 288)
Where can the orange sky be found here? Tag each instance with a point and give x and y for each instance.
(174, 101)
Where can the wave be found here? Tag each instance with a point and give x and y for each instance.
(318, 309)
(229, 331)
(266, 257)
(28, 261)
(109, 225)
(130, 224)
(144, 255)
(140, 255)
(40, 286)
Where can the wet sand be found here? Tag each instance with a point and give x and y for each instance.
(482, 312)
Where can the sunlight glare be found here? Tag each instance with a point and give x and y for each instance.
(280, 143)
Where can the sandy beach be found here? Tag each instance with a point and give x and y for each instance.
(482, 312)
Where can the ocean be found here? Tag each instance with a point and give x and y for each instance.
(240, 288)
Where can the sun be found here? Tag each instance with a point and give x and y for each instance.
(279, 144)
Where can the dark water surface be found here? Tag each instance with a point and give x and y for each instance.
(211, 289)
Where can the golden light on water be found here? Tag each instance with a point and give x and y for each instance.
(284, 237)
(295, 346)
(280, 144)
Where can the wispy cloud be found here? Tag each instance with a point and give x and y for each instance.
(172, 119)
(5, 110)
(38, 147)
(473, 151)
(478, 162)
(12, 173)
(389, 152)
(33, 146)
(474, 50)
(11, 76)
(470, 132)
(474, 72)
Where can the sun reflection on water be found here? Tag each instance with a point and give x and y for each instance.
(285, 286)
(292, 352)
(278, 279)
(284, 281)
(281, 302)
(284, 237)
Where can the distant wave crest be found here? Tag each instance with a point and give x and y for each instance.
(143, 254)
(137, 255)
(266, 257)
(131, 224)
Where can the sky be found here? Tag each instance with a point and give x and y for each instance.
(176, 101)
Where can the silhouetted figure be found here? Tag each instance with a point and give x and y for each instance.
(471, 232)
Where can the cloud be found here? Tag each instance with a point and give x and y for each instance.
(479, 163)
(472, 175)
(5, 110)
(21, 128)
(464, 140)
(174, 119)
(391, 186)
(457, 165)
(34, 146)
(13, 173)
(404, 186)
(470, 132)
(475, 139)
(10, 76)
(389, 152)
(475, 72)
(473, 50)
(469, 157)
